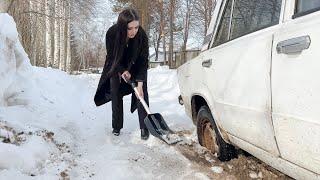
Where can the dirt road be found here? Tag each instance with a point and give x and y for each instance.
(241, 168)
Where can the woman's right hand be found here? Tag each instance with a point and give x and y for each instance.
(126, 75)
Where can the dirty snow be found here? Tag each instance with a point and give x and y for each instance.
(217, 169)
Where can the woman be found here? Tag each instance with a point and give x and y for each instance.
(127, 58)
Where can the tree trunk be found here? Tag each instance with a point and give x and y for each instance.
(57, 36)
(5, 5)
(163, 33)
(172, 2)
(52, 32)
(186, 32)
(66, 36)
(62, 38)
(47, 38)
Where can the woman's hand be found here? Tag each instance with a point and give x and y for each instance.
(126, 76)
(140, 89)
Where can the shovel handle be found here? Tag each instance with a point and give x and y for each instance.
(131, 83)
(141, 99)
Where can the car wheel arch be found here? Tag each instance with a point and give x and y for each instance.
(210, 137)
(197, 101)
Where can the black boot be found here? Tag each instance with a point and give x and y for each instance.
(116, 132)
(144, 134)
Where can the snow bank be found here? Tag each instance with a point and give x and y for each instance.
(19, 109)
(15, 67)
(28, 158)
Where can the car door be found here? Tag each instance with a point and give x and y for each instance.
(237, 70)
(296, 85)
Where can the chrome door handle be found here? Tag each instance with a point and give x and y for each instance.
(294, 45)
(207, 63)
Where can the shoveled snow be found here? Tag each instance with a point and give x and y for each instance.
(53, 130)
(217, 169)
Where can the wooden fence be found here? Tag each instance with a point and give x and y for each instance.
(179, 58)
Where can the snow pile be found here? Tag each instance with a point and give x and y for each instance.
(217, 169)
(27, 158)
(15, 68)
(24, 110)
(15, 89)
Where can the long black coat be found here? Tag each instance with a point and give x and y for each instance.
(138, 50)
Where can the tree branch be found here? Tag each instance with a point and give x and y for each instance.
(43, 14)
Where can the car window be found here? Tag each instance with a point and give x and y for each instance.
(252, 15)
(223, 29)
(306, 6)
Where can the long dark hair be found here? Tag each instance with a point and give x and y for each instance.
(124, 18)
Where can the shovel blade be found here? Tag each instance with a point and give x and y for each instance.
(159, 128)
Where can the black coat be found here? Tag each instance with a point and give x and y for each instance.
(138, 53)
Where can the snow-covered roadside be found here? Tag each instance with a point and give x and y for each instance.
(50, 127)
(65, 107)
(127, 156)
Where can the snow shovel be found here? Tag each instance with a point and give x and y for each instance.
(155, 122)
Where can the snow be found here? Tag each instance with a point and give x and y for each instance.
(254, 175)
(14, 63)
(55, 131)
(217, 169)
(27, 158)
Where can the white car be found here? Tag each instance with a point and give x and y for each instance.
(255, 84)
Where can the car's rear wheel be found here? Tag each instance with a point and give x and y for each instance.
(209, 136)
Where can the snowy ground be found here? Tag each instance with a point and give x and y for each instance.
(51, 129)
(61, 132)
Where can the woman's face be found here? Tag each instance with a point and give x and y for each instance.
(133, 28)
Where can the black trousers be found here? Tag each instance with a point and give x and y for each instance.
(119, 88)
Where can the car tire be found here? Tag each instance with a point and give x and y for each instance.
(209, 136)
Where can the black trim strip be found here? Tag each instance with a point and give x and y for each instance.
(305, 12)
(221, 16)
(255, 30)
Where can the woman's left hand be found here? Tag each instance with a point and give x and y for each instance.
(126, 76)
(140, 89)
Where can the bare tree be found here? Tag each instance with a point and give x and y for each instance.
(204, 10)
(163, 33)
(157, 26)
(171, 28)
(142, 6)
(45, 28)
(189, 10)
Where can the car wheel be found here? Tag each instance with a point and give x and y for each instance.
(209, 136)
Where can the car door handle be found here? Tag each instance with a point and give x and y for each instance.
(294, 45)
(207, 63)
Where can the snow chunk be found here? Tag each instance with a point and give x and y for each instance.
(6, 134)
(217, 169)
(15, 67)
(28, 157)
(208, 158)
(253, 175)
(201, 176)
(8, 27)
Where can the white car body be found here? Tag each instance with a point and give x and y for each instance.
(263, 100)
